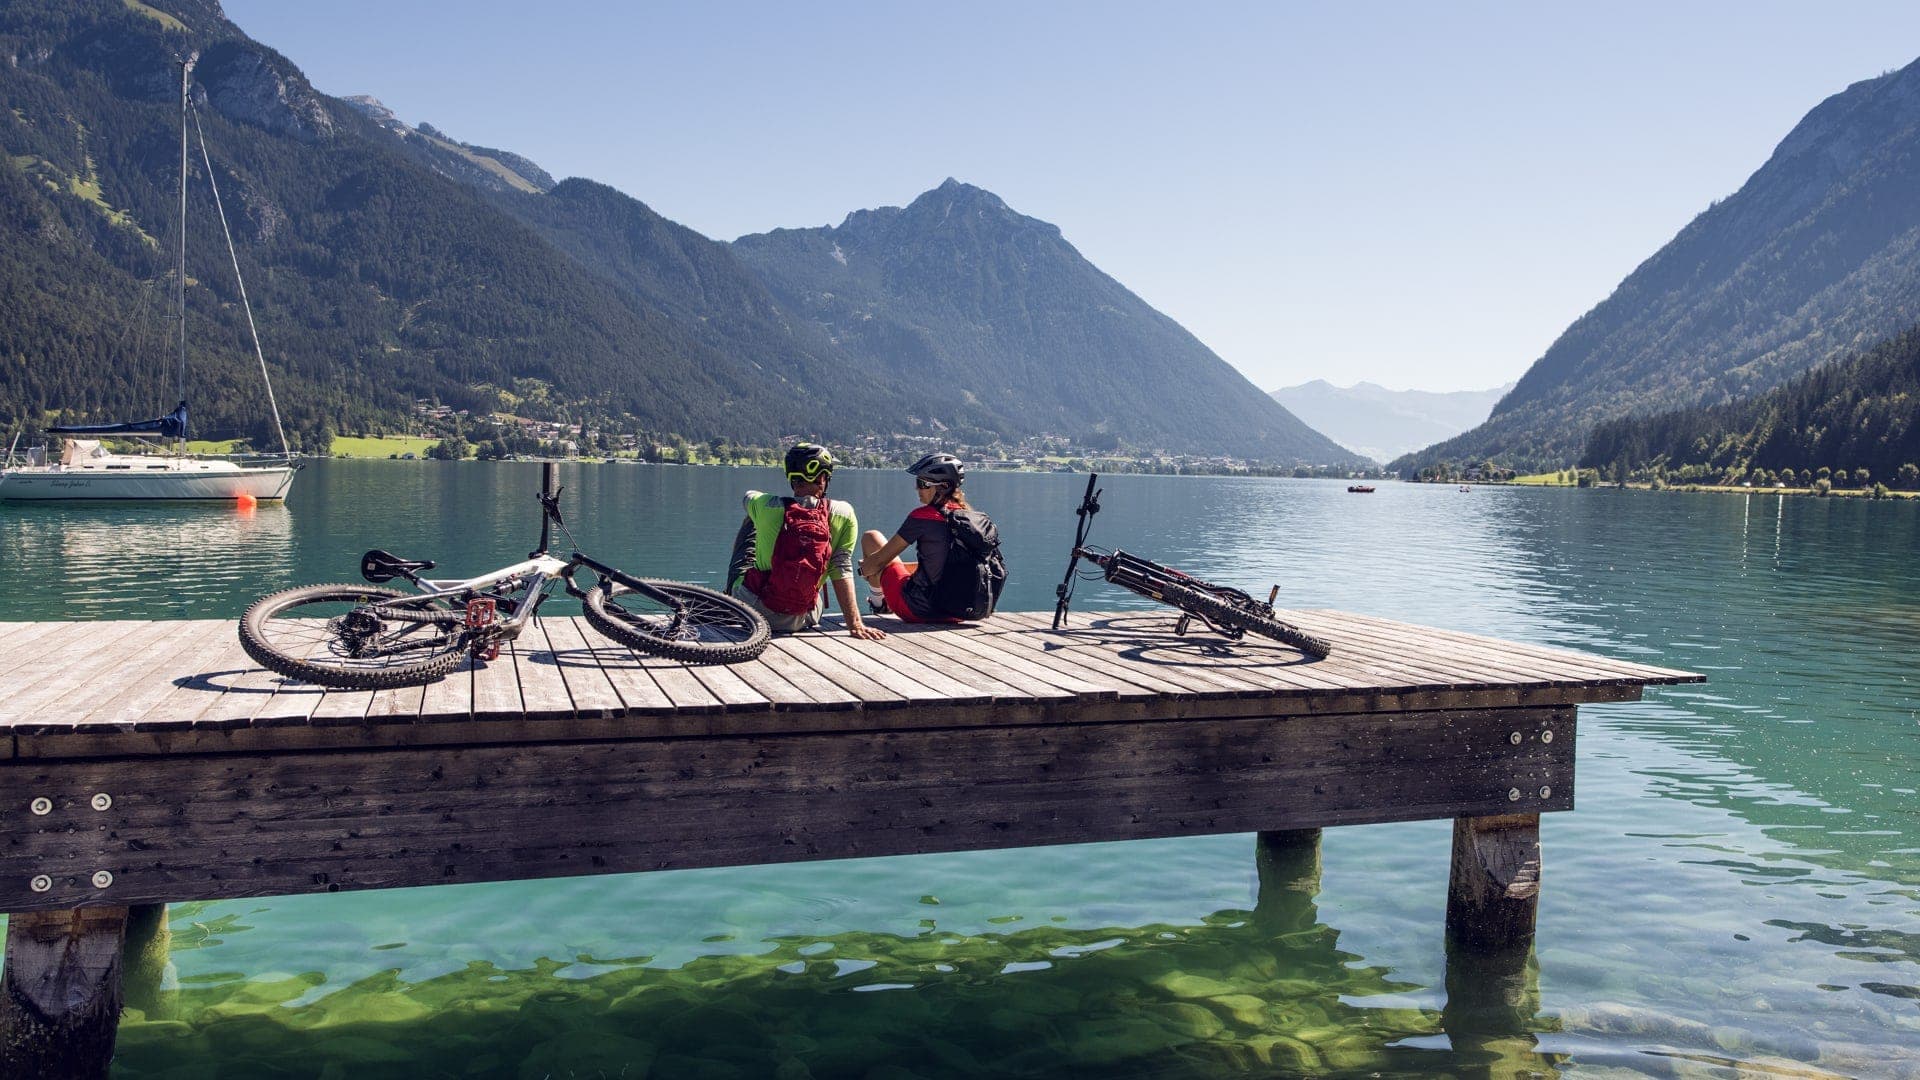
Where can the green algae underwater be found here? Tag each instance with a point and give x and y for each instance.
(1254, 990)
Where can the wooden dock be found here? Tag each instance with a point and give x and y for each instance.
(152, 762)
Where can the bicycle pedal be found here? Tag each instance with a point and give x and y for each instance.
(1180, 627)
(482, 611)
(487, 653)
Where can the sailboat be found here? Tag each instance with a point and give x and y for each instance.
(85, 469)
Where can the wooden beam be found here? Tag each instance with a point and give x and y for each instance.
(1494, 885)
(216, 826)
(60, 993)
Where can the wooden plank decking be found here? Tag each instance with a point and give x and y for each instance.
(90, 689)
(158, 754)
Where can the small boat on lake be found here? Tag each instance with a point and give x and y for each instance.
(1360, 489)
(87, 470)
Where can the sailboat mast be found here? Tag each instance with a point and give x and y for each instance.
(180, 268)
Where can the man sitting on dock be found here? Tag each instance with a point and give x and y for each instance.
(788, 548)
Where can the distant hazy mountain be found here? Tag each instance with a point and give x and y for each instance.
(1817, 255)
(1383, 424)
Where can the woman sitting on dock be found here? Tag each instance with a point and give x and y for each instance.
(960, 571)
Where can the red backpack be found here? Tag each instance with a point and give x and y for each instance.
(791, 584)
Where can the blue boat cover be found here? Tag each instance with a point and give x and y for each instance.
(171, 426)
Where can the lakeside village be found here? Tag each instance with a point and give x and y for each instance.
(1821, 482)
(446, 433)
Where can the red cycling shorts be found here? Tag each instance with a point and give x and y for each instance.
(893, 586)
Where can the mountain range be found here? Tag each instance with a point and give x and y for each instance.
(1383, 424)
(1815, 257)
(391, 262)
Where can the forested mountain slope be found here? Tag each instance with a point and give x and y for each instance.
(1817, 255)
(990, 313)
(376, 280)
(389, 263)
(1860, 413)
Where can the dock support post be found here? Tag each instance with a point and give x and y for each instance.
(1494, 887)
(1493, 981)
(60, 993)
(1492, 1009)
(1288, 864)
(145, 958)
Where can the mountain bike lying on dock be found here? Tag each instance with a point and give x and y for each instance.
(1227, 612)
(362, 637)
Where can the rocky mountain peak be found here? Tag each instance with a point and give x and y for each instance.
(956, 205)
(255, 85)
(374, 109)
(484, 167)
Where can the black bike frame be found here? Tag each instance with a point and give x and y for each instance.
(1089, 506)
(1143, 576)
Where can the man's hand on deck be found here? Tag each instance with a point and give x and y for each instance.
(843, 591)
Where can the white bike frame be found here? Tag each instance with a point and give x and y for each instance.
(530, 575)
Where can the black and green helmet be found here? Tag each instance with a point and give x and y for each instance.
(808, 462)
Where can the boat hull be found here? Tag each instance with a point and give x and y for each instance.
(189, 485)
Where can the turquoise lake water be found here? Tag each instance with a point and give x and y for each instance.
(1737, 893)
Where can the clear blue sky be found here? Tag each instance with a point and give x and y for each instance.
(1419, 194)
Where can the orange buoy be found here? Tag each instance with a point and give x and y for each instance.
(246, 501)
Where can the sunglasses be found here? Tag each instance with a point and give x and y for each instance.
(924, 485)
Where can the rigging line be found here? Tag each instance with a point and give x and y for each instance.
(180, 282)
(244, 304)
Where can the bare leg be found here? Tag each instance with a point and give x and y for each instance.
(870, 542)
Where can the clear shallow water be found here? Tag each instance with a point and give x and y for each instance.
(1739, 888)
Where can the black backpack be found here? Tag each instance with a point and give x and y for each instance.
(975, 571)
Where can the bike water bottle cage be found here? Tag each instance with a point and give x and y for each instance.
(378, 566)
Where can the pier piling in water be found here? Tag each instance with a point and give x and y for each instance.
(1493, 888)
(60, 992)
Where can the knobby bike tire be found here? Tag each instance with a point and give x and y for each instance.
(314, 654)
(720, 630)
(1221, 613)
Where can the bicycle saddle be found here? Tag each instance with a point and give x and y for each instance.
(378, 566)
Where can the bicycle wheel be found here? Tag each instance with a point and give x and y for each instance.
(354, 637)
(1220, 613)
(713, 628)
